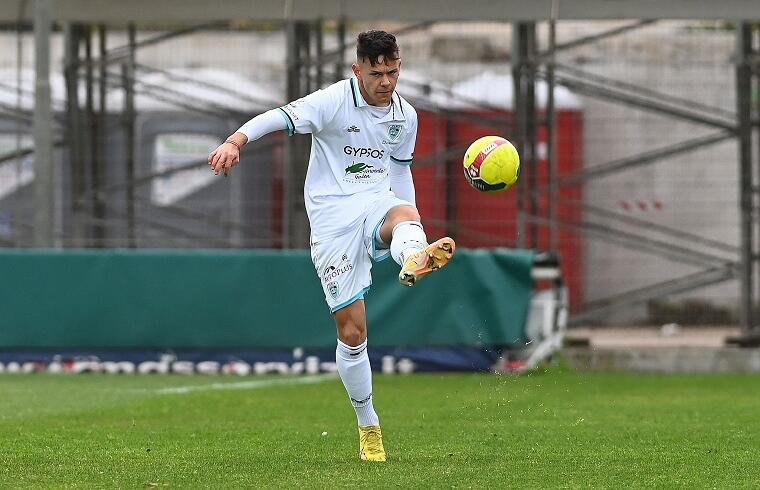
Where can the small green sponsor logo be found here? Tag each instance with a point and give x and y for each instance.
(357, 167)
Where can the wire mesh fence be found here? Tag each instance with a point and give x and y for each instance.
(646, 160)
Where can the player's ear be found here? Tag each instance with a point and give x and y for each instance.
(357, 71)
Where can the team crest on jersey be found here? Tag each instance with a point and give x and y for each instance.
(394, 132)
(332, 288)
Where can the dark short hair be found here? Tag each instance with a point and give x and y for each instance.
(373, 44)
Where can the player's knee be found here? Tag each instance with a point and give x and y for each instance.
(351, 333)
(407, 213)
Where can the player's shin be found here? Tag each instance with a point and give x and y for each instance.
(356, 374)
(408, 238)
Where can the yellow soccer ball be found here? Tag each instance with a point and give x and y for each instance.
(491, 164)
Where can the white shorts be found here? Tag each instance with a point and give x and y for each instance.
(343, 262)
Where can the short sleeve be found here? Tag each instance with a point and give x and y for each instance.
(312, 113)
(404, 152)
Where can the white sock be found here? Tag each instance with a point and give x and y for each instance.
(356, 374)
(408, 238)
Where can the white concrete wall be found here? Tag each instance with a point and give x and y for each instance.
(697, 192)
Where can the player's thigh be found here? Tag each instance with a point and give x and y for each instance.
(397, 215)
(387, 205)
(343, 268)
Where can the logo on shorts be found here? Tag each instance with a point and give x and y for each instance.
(394, 132)
(331, 272)
(332, 288)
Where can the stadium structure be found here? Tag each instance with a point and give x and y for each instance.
(641, 188)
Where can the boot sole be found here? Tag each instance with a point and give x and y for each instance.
(439, 253)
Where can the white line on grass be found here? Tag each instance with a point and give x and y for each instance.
(245, 385)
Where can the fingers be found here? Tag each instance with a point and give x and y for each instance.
(218, 160)
(224, 162)
(229, 163)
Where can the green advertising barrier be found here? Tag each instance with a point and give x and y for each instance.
(247, 300)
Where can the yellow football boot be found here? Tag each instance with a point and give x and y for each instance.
(427, 260)
(371, 443)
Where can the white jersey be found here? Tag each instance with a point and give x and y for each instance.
(351, 152)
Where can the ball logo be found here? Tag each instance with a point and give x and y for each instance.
(491, 147)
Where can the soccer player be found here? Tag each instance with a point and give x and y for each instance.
(359, 197)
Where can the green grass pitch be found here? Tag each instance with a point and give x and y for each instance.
(550, 429)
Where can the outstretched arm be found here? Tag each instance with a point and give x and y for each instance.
(227, 155)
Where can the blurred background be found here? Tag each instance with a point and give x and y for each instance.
(629, 245)
(638, 137)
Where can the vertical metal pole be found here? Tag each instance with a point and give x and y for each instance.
(20, 129)
(43, 128)
(292, 90)
(755, 93)
(341, 60)
(551, 129)
(524, 79)
(518, 115)
(98, 141)
(89, 133)
(744, 113)
(72, 34)
(319, 54)
(128, 80)
(531, 134)
(307, 81)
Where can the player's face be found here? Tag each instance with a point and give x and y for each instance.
(377, 82)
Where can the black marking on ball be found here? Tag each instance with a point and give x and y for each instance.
(481, 185)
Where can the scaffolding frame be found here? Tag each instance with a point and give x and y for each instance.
(305, 29)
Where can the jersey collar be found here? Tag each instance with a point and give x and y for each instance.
(396, 113)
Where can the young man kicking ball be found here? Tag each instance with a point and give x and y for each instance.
(359, 197)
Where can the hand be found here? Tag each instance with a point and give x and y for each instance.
(226, 156)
